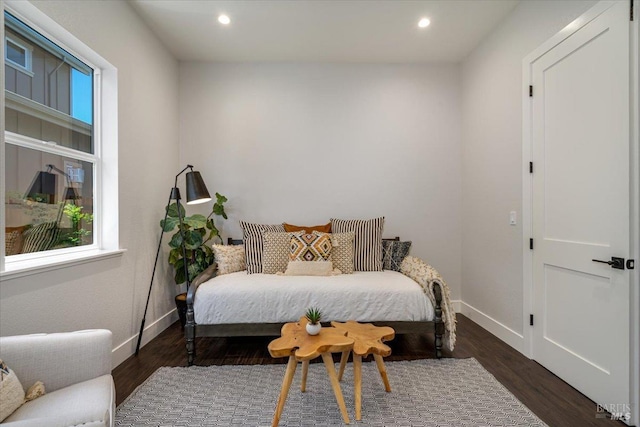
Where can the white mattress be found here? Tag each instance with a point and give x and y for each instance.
(268, 298)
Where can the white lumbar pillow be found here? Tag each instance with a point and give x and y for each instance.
(309, 268)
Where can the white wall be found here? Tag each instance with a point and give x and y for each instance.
(302, 143)
(492, 163)
(111, 293)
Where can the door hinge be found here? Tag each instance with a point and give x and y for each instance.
(530, 167)
(531, 320)
(530, 90)
(631, 264)
(530, 243)
(631, 11)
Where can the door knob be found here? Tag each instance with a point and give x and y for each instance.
(616, 262)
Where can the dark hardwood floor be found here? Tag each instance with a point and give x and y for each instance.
(550, 398)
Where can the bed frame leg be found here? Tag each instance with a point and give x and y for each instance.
(190, 335)
(438, 323)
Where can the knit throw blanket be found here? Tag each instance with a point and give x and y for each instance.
(426, 276)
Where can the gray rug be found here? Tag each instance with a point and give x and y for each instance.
(446, 392)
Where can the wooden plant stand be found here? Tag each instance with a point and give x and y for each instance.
(299, 346)
(368, 339)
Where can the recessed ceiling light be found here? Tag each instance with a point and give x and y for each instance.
(424, 22)
(224, 19)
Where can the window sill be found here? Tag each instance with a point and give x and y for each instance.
(35, 266)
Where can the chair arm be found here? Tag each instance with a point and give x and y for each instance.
(60, 359)
(38, 422)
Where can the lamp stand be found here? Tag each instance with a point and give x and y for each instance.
(174, 195)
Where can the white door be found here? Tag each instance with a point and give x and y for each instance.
(580, 204)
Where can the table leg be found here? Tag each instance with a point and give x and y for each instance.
(335, 384)
(383, 371)
(357, 385)
(284, 392)
(343, 363)
(305, 370)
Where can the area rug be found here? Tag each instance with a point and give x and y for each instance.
(445, 392)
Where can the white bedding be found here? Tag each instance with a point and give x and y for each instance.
(268, 298)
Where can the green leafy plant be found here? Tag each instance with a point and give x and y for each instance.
(313, 315)
(76, 217)
(198, 230)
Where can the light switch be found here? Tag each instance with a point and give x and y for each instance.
(512, 218)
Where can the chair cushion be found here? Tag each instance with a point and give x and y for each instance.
(89, 403)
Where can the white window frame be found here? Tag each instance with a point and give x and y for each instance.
(28, 55)
(105, 156)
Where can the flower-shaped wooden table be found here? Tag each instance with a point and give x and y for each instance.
(368, 340)
(299, 346)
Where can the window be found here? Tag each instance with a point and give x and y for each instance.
(58, 145)
(17, 54)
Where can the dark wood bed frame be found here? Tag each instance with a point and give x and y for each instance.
(192, 330)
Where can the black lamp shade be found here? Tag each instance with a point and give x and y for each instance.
(70, 193)
(43, 188)
(196, 190)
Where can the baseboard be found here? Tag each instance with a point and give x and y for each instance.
(506, 334)
(128, 348)
(457, 305)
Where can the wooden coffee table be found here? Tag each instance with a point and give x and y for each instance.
(368, 340)
(299, 346)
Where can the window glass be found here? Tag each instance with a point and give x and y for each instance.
(55, 104)
(49, 200)
(47, 207)
(16, 54)
(81, 96)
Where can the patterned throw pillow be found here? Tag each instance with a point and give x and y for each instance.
(342, 251)
(11, 392)
(326, 228)
(253, 243)
(229, 258)
(13, 242)
(393, 253)
(367, 253)
(41, 237)
(275, 255)
(315, 246)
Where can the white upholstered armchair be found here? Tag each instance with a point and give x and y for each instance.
(75, 368)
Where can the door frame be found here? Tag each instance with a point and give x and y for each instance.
(634, 171)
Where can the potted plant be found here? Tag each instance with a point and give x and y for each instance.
(313, 315)
(198, 230)
(77, 235)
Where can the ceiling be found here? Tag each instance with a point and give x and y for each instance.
(357, 31)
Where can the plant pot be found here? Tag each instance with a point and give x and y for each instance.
(181, 306)
(313, 329)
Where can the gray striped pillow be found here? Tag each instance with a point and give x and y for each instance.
(253, 243)
(367, 243)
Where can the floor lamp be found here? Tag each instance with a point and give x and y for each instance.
(196, 193)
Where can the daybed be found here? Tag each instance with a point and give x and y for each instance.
(241, 304)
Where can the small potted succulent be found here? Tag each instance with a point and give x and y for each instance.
(313, 315)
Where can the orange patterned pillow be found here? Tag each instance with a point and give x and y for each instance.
(310, 247)
(307, 229)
